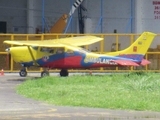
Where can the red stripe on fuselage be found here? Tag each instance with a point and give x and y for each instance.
(96, 65)
(74, 62)
(68, 62)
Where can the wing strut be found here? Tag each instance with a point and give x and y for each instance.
(30, 51)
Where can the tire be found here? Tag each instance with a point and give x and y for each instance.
(23, 73)
(44, 74)
(64, 73)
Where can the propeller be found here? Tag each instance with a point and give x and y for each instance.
(7, 48)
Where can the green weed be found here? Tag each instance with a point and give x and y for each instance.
(116, 91)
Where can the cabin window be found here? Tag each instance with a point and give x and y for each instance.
(60, 50)
(70, 52)
(49, 50)
(83, 51)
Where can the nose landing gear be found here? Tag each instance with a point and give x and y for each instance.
(23, 72)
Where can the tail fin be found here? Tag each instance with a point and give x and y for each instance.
(138, 49)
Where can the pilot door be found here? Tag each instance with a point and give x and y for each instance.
(52, 57)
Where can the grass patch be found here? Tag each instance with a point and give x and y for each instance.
(116, 91)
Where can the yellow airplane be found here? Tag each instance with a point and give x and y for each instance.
(66, 53)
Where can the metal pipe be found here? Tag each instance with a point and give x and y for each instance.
(46, 24)
(101, 19)
(42, 16)
(130, 22)
(98, 25)
(71, 2)
(132, 16)
(70, 19)
(101, 16)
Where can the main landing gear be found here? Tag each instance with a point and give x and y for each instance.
(64, 73)
(44, 73)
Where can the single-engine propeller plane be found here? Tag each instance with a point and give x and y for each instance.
(66, 53)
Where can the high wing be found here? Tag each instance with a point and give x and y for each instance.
(82, 40)
(47, 43)
(62, 42)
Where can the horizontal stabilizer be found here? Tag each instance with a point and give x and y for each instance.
(125, 62)
(145, 62)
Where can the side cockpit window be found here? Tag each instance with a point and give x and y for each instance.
(45, 49)
(60, 50)
(70, 52)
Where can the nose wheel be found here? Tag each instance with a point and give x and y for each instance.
(23, 73)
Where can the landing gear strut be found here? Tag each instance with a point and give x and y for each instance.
(23, 72)
(64, 72)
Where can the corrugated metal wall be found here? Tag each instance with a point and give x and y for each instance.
(120, 15)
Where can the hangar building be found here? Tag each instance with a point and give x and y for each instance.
(99, 16)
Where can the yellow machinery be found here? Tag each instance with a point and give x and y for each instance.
(60, 25)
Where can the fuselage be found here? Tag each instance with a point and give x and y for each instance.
(61, 57)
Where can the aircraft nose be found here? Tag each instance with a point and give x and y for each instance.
(7, 50)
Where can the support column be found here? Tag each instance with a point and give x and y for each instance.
(30, 17)
(138, 15)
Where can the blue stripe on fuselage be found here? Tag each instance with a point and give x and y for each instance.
(47, 59)
(134, 57)
(88, 61)
(101, 59)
